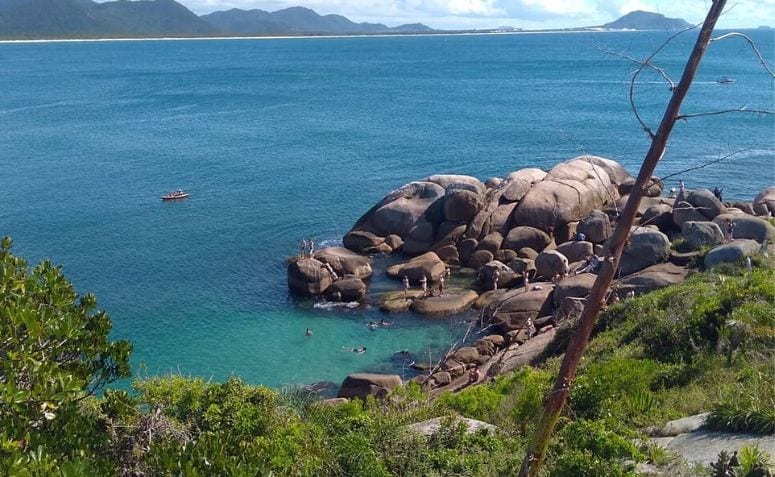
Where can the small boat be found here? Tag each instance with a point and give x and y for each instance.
(175, 195)
(725, 80)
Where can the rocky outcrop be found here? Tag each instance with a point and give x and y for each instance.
(705, 203)
(652, 278)
(345, 262)
(361, 385)
(747, 227)
(428, 265)
(450, 303)
(518, 307)
(731, 252)
(308, 276)
(576, 251)
(526, 237)
(576, 287)
(568, 193)
(596, 226)
(685, 212)
(698, 234)
(550, 263)
(347, 289)
(645, 247)
(432, 426)
(660, 215)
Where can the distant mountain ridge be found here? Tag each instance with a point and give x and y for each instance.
(34, 19)
(640, 20)
(296, 20)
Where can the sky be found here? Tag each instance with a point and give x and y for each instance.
(527, 14)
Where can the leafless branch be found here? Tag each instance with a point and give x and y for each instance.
(741, 109)
(703, 165)
(751, 44)
(654, 67)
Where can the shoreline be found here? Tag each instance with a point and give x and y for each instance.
(299, 37)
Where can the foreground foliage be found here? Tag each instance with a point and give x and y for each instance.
(706, 345)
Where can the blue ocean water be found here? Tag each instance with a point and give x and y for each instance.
(288, 138)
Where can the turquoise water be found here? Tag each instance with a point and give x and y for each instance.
(289, 138)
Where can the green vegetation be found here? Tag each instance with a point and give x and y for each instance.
(705, 345)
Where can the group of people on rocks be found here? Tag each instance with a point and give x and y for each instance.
(426, 290)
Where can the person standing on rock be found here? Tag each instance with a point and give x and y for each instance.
(424, 284)
(447, 272)
(671, 195)
(495, 277)
(526, 280)
(717, 192)
(441, 285)
(311, 247)
(530, 327)
(406, 287)
(302, 248)
(730, 230)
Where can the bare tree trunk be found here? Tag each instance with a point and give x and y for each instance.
(556, 399)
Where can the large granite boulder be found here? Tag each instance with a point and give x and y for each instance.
(731, 252)
(518, 306)
(652, 278)
(449, 233)
(685, 212)
(577, 286)
(519, 183)
(428, 265)
(697, 234)
(617, 174)
(500, 220)
(705, 203)
(308, 276)
(398, 212)
(461, 205)
(448, 254)
(506, 276)
(361, 385)
(491, 242)
(345, 262)
(569, 192)
(653, 188)
(457, 181)
(347, 289)
(479, 258)
(596, 226)
(645, 247)
(764, 202)
(361, 241)
(524, 236)
(523, 265)
(452, 302)
(420, 238)
(660, 215)
(550, 263)
(747, 227)
(576, 251)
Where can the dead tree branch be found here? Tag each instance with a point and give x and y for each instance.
(741, 109)
(556, 399)
(751, 44)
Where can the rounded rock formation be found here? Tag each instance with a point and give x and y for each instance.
(308, 276)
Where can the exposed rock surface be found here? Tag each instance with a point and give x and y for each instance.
(697, 234)
(345, 262)
(576, 286)
(731, 252)
(347, 289)
(652, 278)
(596, 226)
(361, 385)
(550, 263)
(747, 227)
(520, 305)
(432, 426)
(428, 265)
(645, 247)
(452, 302)
(308, 276)
(576, 251)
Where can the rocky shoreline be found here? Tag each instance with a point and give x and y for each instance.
(523, 237)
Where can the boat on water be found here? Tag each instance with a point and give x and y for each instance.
(725, 80)
(175, 195)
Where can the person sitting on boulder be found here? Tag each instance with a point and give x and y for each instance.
(580, 237)
(406, 287)
(591, 264)
(424, 284)
(473, 375)
(717, 192)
